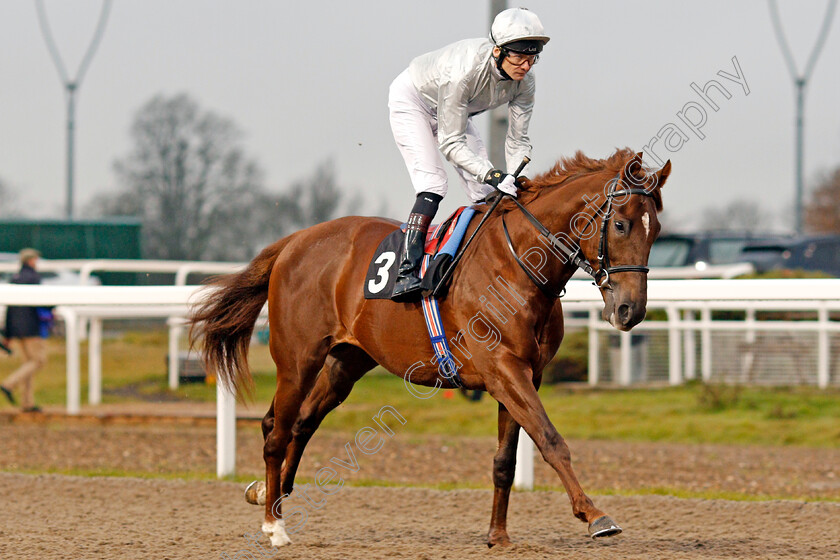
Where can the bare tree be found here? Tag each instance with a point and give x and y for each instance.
(200, 197)
(270, 216)
(671, 222)
(314, 199)
(189, 180)
(739, 215)
(822, 212)
(8, 201)
(125, 203)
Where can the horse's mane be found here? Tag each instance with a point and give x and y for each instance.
(580, 164)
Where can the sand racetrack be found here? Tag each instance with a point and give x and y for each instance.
(54, 516)
(58, 516)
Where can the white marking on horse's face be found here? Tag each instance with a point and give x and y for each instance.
(276, 532)
(646, 223)
(612, 318)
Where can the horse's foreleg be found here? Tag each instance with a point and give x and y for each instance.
(517, 393)
(504, 465)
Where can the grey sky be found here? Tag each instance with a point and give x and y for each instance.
(309, 80)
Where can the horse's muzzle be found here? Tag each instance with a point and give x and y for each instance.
(623, 316)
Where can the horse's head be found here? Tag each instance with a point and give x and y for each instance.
(627, 227)
(605, 216)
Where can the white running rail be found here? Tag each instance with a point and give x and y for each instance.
(675, 296)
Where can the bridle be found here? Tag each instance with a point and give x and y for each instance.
(576, 257)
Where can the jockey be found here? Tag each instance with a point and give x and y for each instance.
(431, 107)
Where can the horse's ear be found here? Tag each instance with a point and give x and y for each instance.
(662, 174)
(634, 171)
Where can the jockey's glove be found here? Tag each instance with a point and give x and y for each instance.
(501, 181)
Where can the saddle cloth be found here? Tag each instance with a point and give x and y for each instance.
(442, 242)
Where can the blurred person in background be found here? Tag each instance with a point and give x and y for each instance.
(26, 327)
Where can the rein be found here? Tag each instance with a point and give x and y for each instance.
(602, 275)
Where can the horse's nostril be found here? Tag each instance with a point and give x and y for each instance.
(625, 313)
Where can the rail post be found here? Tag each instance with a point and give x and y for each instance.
(706, 343)
(523, 475)
(593, 346)
(674, 346)
(225, 431)
(823, 348)
(625, 375)
(71, 336)
(748, 359)
(95, 361)
(175, 330)
(690, 344)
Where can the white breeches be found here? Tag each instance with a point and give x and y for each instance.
(415, 127)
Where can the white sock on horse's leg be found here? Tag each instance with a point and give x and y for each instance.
(276, 532)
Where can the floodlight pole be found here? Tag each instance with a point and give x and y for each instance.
(800, 81)
(71, 85)
(800, 84)
(499, 115)
(523, 478)
(71, 139)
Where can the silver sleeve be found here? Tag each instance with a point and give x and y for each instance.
(517, 142)
(452, 125)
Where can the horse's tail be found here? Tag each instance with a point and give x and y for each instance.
(226, 316)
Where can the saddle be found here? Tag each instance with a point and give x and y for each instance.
(442, 243)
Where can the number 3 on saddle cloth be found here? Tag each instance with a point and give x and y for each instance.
(442, 242)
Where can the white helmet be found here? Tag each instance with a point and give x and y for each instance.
(518, 24)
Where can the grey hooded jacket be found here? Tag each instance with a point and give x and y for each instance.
(461, 80)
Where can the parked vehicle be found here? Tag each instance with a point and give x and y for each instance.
(704, 248)
(817, 253)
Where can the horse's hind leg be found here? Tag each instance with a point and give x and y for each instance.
(345, 365)
(293, 384)
(504, 466)
(255, 492)
(267, 423)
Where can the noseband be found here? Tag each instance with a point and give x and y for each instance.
(602, 275)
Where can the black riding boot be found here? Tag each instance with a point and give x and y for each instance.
(408, 286)
(408, 283)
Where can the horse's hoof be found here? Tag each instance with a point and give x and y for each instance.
(603, 527)
(276, 533)
(500, 541)
(255, 493)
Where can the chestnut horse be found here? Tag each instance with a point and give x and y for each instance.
(325, 335)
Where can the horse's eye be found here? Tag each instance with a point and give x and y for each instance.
(619, 227)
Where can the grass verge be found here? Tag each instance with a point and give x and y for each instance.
(134, 368)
